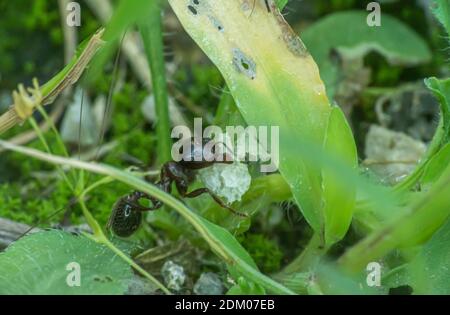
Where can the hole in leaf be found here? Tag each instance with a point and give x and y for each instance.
(245, 65)
(192, 9)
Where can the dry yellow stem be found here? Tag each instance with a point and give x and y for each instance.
(26, 101)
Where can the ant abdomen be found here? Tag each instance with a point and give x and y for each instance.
(124, 219)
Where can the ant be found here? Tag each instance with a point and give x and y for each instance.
(126, 215)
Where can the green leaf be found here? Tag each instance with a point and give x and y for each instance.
(273, 79)
(297, 281)
(411, 226)
(441, 89)
(436, 166)
(36, 264)
(245, 287)
(441, 9)
(348, 32)
(397, 277)
(339, 200)
(429, 271)
(331, 280)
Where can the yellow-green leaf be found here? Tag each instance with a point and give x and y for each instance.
(272, 77)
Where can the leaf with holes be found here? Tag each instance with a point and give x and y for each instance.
(273, 79)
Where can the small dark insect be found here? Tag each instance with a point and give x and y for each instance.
(126, 215)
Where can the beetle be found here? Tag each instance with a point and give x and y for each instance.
(126, 215)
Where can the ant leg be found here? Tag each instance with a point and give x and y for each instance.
(164, 184)
(138, 207)
(134, 198)
(201, 191)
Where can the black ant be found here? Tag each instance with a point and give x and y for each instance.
(126, 215)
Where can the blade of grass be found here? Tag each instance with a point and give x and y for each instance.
(151, 32)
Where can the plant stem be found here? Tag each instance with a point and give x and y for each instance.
(151, 32)
(59, 140)
(47, 148)
(122, 255)
(55, 131)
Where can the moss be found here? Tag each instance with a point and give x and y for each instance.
(264, 251)
(32, 202)
(30, 22)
